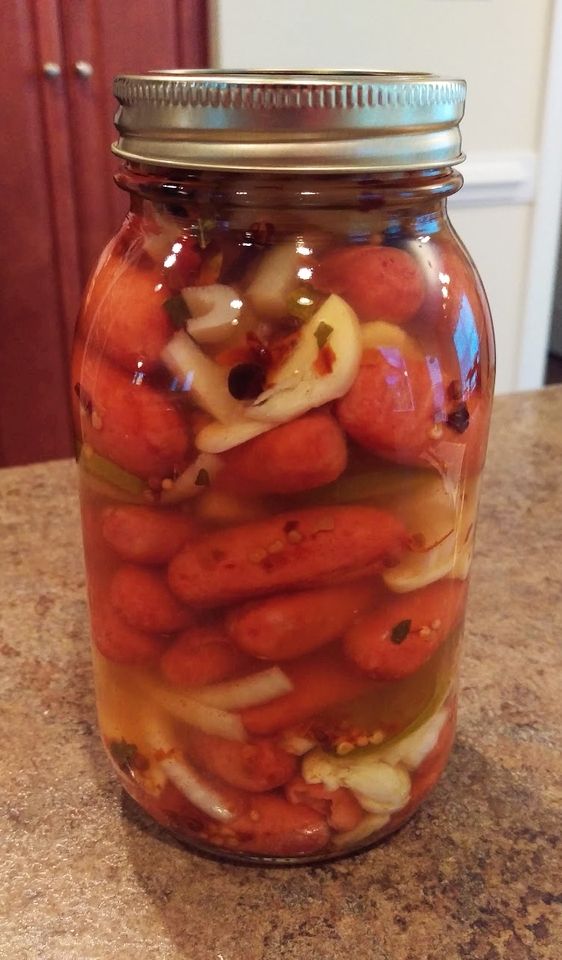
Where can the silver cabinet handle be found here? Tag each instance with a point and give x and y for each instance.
(83, 69)
(51, 69)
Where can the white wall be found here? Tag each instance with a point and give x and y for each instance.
(500, 46)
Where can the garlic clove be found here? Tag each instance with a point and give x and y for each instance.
(411, 751)
(298, 386)
(379, 787)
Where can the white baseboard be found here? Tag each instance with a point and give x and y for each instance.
(497, 179)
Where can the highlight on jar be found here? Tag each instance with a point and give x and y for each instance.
(281, 437)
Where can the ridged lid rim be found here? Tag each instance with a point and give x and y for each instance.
(318, 121)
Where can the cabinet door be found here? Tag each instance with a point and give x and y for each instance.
(38, 282)
(103, 38)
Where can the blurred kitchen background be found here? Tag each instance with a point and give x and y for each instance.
(59, 204)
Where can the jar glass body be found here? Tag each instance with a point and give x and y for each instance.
(282, 391)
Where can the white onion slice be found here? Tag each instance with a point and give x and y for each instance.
(199, 793)
(215, 312)
(204, 379)
(217, 437)
(246, 692)
(202, 716)
(275, 278)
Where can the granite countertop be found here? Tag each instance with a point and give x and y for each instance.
(474, 876)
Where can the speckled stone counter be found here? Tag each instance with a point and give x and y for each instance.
(476, 875)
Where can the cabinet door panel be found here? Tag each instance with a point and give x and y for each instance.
(116, 36)
(35, 305)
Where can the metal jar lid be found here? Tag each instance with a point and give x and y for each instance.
(289, 122)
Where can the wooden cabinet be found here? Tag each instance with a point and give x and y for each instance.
(59, 203)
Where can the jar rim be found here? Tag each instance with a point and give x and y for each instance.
(285, 121)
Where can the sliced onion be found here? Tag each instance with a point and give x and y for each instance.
(204, 379)
(275, 277)
(215, 312)
(193, 481)
(217, 437)
(246, 692)
(199, 793)
(202, 716)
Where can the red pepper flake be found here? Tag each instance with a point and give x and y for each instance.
(177, 311)
(322, 332)
(400, 631)
(325, 360)
(291, 525)
(258, 350)
(127, 756)
(232, 356)
(459, 419)
(202, 479)
(283, 347)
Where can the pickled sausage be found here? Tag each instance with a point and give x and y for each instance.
(464, 305)
(127, 421)
(321, 680)
(122, 643)
(390, 408)
(288, 550)
(254, 767)
(273, 827)
(399, 637)
(143, 599)
(173, 809)
(299, 455)
(380, 283)
(264, 824)
(126, 316)
(145, 534)
(201, 655)
(291, 624)
(340, 807)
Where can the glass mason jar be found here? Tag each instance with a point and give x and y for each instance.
(282, 381)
